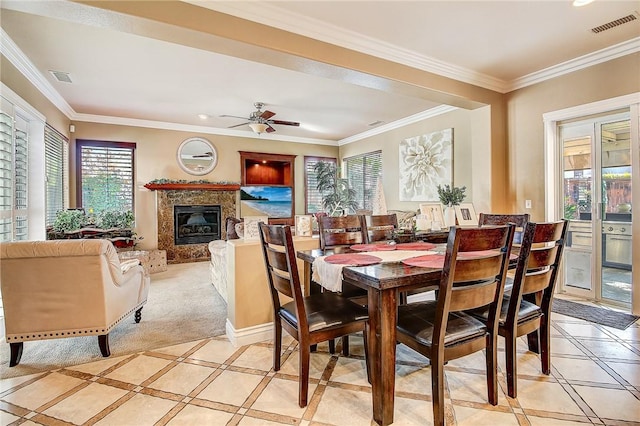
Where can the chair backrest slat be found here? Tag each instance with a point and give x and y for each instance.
(520, 220)
(538, 264)
(337, 231)
(474, 272)
(380, 227)
(282, 268)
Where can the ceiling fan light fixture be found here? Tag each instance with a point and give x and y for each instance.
(258, 127)
(580, 3)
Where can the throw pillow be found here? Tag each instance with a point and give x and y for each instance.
(240, 229)
(231, 228)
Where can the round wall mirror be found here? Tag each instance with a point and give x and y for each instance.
(197, 156)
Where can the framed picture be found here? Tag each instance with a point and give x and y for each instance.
(433, 212)
(303, 226)
(251, 229)
(426, 161)
(466, 215)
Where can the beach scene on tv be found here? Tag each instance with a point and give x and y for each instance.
(272, 201)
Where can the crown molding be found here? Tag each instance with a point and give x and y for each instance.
(433, 112)
(283, 19)
(289, 21)
(19, 60)
(616, 51)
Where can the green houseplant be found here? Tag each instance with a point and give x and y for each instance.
(337, 197)
(451, 195)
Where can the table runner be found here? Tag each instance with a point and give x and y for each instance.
(329, 275)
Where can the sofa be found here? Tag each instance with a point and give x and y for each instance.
(67, 288)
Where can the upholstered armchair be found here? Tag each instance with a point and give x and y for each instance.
(67, 288)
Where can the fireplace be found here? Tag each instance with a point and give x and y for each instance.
(196, 224)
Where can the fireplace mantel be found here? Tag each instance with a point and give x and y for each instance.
(193, 186)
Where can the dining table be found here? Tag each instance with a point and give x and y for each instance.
(383, 281)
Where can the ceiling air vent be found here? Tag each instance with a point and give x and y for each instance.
(614, 24)
(61, 76)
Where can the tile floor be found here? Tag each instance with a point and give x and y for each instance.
(595, 380)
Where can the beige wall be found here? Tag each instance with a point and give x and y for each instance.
(471, 148)
(526, 131)
(156, 158)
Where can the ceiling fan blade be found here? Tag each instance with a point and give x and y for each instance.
(238, 125)
(284, 123)
(270, 129)
(267, 115)
(206, 154)
(234, 116)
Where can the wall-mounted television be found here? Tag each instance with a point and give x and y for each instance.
(272, 201)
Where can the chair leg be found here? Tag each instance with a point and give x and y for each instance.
(545, 345)
(533, 340)
(16, 353)
(365, 336)
(103, 342)
(303, 384)
(511, 364)
(437, 390)
(345, 345)
(332, 346)
(492, 367)
(138, 315)
(277, 344)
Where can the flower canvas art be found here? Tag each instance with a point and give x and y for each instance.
(426, 161)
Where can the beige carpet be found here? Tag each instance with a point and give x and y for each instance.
(182, 306)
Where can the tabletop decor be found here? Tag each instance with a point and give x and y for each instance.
(450, 196)
(426, 161)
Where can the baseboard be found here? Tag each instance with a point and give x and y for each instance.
(249, 335)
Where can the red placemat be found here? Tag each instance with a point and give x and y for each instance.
(373, 247)
(426, 261)
(355, 259)
(416, 246)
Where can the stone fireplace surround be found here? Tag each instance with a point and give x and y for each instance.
(169, 195)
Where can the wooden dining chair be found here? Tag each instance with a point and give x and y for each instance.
(526, 309)
(380, 227)
(308, 319)
(339, 233)
(440, 329)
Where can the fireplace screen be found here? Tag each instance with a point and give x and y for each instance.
(196, 224)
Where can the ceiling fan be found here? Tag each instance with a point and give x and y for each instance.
(260, 121)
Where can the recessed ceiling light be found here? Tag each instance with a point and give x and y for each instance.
(578, 3)
(203, 116)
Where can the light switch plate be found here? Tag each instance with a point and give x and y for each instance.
(527, 204)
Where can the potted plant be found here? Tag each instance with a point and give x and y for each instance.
(451, 196)
(337, 197)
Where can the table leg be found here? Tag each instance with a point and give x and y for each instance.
(382, 352)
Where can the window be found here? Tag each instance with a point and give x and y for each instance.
(56, 158)
(313, 197)
(363, 172)
(14, 177)
(105, 175)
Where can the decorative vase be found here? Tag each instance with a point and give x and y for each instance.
(449, 216)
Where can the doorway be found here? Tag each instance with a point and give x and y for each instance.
(596, 167)
(597, 200)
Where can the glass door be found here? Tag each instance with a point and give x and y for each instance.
(596, 170)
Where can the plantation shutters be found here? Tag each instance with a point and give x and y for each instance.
(313, 197)
(56, 158)
(363, 172)
(105, 175)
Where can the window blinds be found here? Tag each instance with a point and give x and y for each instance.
(362, 172)
(106, 175)
(56, 158)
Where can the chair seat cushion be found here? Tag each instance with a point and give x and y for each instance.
(527, 311)
(417, 320)
(325, 310)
